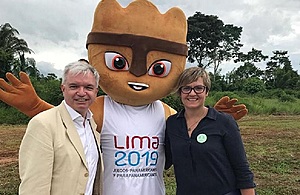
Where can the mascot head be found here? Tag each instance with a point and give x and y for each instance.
(138, 52)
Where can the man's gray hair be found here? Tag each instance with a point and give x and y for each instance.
(80, 67)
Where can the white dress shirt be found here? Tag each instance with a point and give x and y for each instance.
(88, 142)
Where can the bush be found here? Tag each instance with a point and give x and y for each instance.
(49, 90)
(294, 93)
(216, 96)
(173, 101)
(270, 102)
(12, 116)
(253, 85)
(287, 98)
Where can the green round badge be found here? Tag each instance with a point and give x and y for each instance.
(201, 138)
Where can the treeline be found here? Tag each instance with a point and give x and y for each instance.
(274, 90)
(268, 102)
(211, 42)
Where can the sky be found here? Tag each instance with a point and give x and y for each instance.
(56, 30)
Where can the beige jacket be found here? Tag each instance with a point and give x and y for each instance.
(51, 156)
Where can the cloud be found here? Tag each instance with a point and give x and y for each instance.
(56, 30)
(45, 68)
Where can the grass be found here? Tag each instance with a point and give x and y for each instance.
(272, 144)
(10, 139)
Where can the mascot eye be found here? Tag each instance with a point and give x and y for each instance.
(115, 61)
(160, 68)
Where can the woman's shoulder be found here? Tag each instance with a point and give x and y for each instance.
(223, 118)
(219, 115)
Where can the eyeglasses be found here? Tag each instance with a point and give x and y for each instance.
(197, 89)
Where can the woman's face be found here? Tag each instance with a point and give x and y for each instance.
(193, 94)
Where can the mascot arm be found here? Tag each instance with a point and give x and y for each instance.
(97, 109)
(225, 104)
(168, 110)
(21, 95)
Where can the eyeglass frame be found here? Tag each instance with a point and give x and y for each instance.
(193, 88)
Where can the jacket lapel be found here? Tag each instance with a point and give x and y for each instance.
(98, 182)
(72, 132)
(96, 134)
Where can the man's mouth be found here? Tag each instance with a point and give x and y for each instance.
(138, 86)
(81, 100)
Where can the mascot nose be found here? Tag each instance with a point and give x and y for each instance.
(139, 63)
(138, 70)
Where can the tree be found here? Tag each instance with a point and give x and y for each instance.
(12, 49)
(251, 57)
(218, 83)
(239, 76)
(248, 70)
(27, 65)
(48, 88)
(279, 72)
(210, 41)
(229, 47)
(253, 85)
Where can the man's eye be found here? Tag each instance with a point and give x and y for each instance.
(73, 87)
(90, 88)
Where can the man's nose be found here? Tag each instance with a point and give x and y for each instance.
(81, 91)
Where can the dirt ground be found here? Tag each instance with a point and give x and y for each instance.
(272, 145)
(10, 139)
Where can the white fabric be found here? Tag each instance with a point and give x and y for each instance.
(132, 166)
(88, 142)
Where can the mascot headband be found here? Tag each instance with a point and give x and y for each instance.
(140, 45)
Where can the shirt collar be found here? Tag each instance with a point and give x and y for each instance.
(212, 113)
(74, 115)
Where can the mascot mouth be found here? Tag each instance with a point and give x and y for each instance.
(138, 86)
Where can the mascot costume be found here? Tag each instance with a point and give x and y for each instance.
(139, 54)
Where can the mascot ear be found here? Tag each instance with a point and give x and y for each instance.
(225, 104)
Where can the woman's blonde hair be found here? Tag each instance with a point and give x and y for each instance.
(190, 75)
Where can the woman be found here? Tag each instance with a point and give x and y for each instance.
(204, 145)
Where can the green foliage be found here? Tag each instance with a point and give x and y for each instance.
(247, 70)
(216, 96)
(268, 102)
(10, 115)
(252, 56)
(211, 41)
(217, 82)
(281, 95)
(170, 182)
(173, 101)
(287, 98)
(253, 85)
(48, 89)
(12, 51)
(294, 93)
(262, 106)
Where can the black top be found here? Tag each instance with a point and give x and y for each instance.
(213, 160)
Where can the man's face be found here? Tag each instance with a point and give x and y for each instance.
(80, 91)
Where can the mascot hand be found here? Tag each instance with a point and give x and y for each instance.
(225, 104)
(21, 95)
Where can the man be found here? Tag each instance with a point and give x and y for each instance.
(60, 153)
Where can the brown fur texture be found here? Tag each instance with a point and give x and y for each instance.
(140, 17)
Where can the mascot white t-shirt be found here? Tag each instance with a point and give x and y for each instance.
(133, 152)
